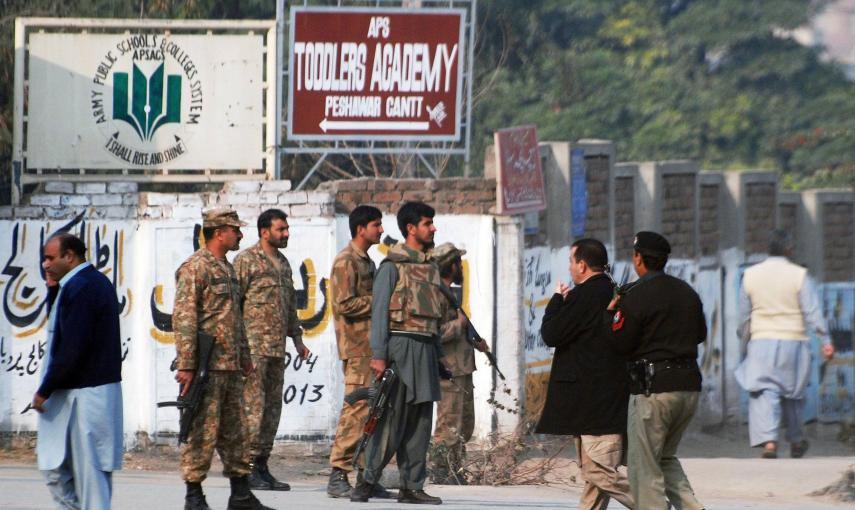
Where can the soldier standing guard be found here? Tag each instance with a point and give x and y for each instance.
(407, 310)
(352, 277)
(269, 315)
(455, 413)
(207, 300)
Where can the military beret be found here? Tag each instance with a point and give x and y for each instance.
(652, 243)
(221, 217)
(446, 252)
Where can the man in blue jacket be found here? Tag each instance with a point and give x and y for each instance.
(80, 397)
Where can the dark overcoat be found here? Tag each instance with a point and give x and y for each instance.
(588, 389)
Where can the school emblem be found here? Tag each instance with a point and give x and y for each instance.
(146, 99)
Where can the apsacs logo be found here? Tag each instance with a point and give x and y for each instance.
(146, 98)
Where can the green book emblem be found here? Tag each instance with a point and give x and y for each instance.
(146, 112)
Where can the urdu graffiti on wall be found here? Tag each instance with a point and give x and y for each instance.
(313, 308)
(23, 335)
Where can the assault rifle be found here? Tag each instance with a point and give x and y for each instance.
(472, 335)
(378, 398)
(189, 403)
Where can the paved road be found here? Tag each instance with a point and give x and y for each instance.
(720, 483)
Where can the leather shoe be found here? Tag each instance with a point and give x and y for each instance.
(797, 450)
(417, 497)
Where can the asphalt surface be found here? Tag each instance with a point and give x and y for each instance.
(720, 483)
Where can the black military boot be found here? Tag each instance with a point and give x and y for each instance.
(339, 486)
(257, 482)
(379, 491)
(361, 492)
(241, 497)
(417, 497)
(272, 482)
(195, 498)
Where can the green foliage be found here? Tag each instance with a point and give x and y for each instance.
(711, 80)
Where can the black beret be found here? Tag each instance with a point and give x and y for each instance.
(651, 243)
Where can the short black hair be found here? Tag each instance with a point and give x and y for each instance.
(780, 243)
(593, 252)
(362, 216)
(208, 232)
(411, 213)
(653, 262)
(70, 242)
(265, 219)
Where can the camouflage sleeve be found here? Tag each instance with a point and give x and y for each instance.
(295, 331)
(344, 291)
(244, 275)
(188, 291)
(451, 329)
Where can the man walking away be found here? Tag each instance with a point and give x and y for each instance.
(777, 304)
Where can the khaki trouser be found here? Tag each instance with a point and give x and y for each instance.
(599, 458)
(357, 374)
(455, 422)
(655, 427)
(218, 424)
(262, 396)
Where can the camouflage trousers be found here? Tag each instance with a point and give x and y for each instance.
(262, 398)
(357, 374)
(218, 424)
(455, 422)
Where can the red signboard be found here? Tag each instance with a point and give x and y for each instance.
(375, 74)
(519, 175)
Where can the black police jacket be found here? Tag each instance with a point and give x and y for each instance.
(588, 390)
(661, 318)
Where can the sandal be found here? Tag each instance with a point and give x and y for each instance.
(770, 451)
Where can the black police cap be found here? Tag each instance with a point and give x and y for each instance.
(652, 243)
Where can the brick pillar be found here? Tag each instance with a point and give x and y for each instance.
(625, 183)
(829, 236)
(667, 203)
(749, 216)
(710, 190)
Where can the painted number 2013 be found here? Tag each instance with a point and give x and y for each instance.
(314, 394)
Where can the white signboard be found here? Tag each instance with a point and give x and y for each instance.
(145, 101)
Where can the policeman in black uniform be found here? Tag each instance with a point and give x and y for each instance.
(657, 324)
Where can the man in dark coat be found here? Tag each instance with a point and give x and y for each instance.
(588, 387)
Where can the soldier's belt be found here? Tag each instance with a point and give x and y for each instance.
(412, 335)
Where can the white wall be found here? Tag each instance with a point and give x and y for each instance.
(142, 256)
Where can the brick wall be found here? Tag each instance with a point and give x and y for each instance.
(709, 231)
(759, 206)
(624, 217)
(678, 213)
(597, 176)
(788, 217)
(839, 241)
(447, 196)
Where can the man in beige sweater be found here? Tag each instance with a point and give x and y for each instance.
(778, 303)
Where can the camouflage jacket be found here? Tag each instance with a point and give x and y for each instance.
(352, 277)
(459, 355)
(207, 299)
(417, 304)
(269, 302)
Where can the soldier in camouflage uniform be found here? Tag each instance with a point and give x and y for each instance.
(269, 315)
(207, 299)
(455, 413)
(352, 277)
(407, 310)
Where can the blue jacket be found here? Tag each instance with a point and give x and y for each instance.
(86, 349)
